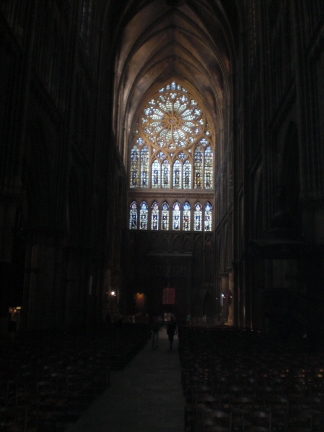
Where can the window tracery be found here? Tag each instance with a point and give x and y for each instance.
(172, 151)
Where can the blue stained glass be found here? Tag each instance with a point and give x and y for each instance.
(176, 216)
(144, 167)
(208, 169)
(177, 174)
(133, 215)
(186, 216)
(165, 175)
(198, 217)
(134, 169)
(143, 215)
(165, 216)
(156, 174)
(187, 175)
(208, 217)
(154, 216)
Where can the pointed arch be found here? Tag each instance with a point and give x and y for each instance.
(133, 215)
(154, 216)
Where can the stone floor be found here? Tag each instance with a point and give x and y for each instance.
(146, 396)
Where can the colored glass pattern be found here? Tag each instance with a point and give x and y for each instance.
(208, 168)
(208, 217)
(176, 216)
(177, 174)
(144, 167)
(133, 216)
(165, 216)
(198, 217)
(143, 215)
(186, 216)
(154, 216)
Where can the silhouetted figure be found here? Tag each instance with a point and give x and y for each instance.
(171, 330)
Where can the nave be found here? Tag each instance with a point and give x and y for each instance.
(145, 396)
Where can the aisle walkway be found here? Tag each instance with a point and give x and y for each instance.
(144, 397)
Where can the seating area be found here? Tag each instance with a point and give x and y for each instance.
(48, 379)
(240, 380)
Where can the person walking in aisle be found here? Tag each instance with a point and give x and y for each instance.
(171, 331)
(155, 333)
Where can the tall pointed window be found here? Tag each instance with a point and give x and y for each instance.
(133, 216)
(155, 216)
(165, 175)
(208, 174)
(176, 216)
(156, 174)
(143, 215)
(198, 168)
(186, 216)
(198, 217)
(208, 217)
(177, 173)
(187, 175)
(144, 167)
(134, 167)
(165, 216)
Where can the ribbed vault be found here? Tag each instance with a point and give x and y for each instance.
(156, 41)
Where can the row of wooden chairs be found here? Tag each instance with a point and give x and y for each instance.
(47, 380)
(238, 380)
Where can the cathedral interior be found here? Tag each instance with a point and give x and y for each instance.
(162, 144)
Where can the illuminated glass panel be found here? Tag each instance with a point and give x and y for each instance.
(134, 180)
(198, 168)
(208, 217)
(208, 169)
(177, 174)
(133, 215)
(165, 216)
(165, 175)
(155, 216)
(176, 216)
(144, 167)
(187, 175)
(143, 215)
(156, 174)
(198, 217)
(186, 216)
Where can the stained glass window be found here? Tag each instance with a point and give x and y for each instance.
(208, 217)
(165, 175)
(155, 216)
(133, 215)
(198, 217)
(176, 216)
(143, 215)
(177, 174)
(144, 167)
(165, 216)
(208, 180)
(198, 168)
(134, 181)
(186, 216)
(172, 151)
(156, 174)
(187, 175)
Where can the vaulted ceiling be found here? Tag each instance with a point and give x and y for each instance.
(191, 41)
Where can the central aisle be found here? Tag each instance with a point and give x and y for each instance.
(145, 396)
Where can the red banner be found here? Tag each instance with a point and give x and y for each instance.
(168, 295)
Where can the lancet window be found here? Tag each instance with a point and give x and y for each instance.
(183, 215)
